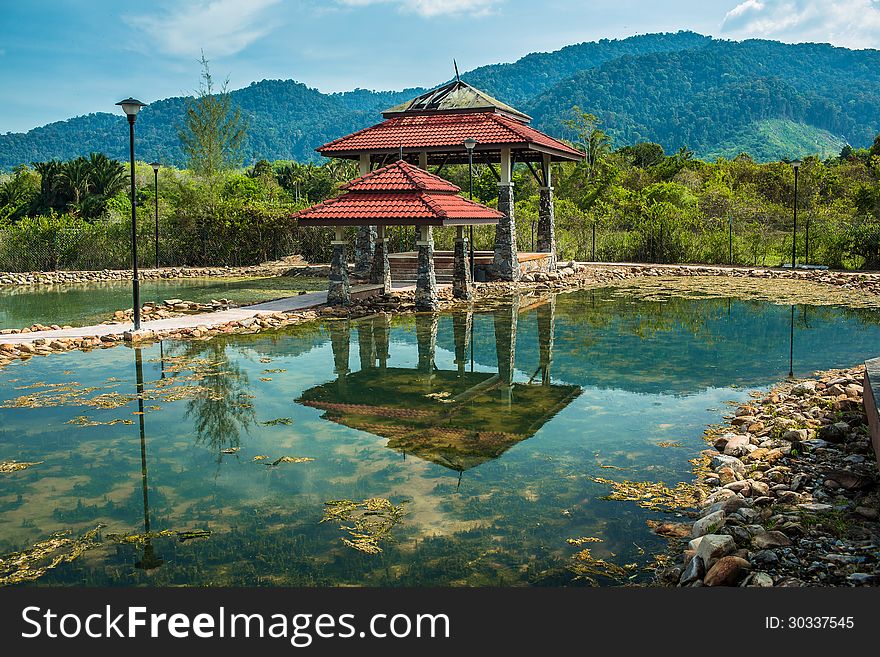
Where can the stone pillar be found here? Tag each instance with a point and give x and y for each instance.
(426, 283)
(506, 257)
(365, 240)
(339, 292)
(461, 336)
(505, 319)
(364, 248)
(380, 274)
(426, 340)
(461, 268)
(340, 341)
(546, 319)
(381, 338)
(423, 160)
(366, 346)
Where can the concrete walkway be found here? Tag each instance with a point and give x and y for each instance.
(288, 304)
(210, 320)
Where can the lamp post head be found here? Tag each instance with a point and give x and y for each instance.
(155, 166)
(470, 143)
(131, 106)
(795, 164)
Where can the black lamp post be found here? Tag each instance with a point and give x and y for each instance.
(156, 166)
(131, 107)
(470, 144)
(796, 165)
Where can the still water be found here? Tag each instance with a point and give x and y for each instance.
(92, 303)
(485, 429)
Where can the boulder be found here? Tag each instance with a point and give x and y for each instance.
(738, 446)
(834, 433)
(694, 571)
(804, 389)
(762, 580)
(771, 539)
(723, 460)
(727, 571)
(708, 524)
(714, 546)
(796, 435)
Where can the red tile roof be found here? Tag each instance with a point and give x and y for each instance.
(400, 176)
(444, 130)
(398, 194)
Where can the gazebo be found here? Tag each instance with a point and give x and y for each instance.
(432, 129)
(399, 194)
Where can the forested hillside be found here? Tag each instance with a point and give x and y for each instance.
(704, 98)
(717, 98)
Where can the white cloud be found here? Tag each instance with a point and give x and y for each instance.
(219, 27)
(850, 23)
(431, 8)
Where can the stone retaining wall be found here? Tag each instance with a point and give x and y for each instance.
(167, 273)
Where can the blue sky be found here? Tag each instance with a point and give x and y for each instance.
(69, 57)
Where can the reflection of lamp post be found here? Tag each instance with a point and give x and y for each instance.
(796, 165)
(156, 166)
(149, 560)
(470, 144)
(131, 107)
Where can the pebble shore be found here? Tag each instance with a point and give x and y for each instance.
(792, 493)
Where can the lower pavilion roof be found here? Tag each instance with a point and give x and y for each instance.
(457, 420)
(442, 136)
(398, 194)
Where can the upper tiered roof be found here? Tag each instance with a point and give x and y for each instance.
(438, 122)
(456, 96)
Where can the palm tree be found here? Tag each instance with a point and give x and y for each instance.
(48, 198)
(108, 176)
(75, 181)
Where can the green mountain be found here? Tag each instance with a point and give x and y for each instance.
(718, 98)
(707, 97)
(770, 139)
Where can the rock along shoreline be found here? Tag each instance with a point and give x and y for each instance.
(792, 493)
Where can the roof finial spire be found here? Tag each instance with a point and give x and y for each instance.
(455, 64)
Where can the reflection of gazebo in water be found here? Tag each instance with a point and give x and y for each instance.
(456, 418)
(431, 130)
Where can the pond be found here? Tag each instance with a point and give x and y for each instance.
(83, 304)
(486, 432)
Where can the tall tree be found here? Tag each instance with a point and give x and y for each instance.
(595, 142)
(214, 130)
